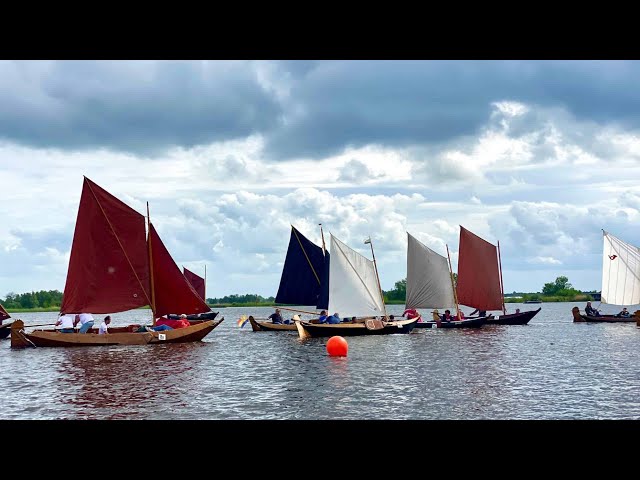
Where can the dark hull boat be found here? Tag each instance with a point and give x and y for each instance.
(579, 317)
(5, 330)
(521, 318)
(196, 317)
(466, 323)
(306, 329)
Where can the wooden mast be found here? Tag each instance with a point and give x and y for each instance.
(324, 248)
(504, 310)
(205, 283)
(377, 276)
(455, 294)
(153, 293)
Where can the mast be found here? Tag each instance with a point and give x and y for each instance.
(324, 247)
(504, 310)
(455, 295)
(153, 294)
(368, 240)
(205, 283)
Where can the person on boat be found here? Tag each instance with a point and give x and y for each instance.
(335, 318)
(103, 329)
(85, 320)
(517, 310)
(66, 323)
(481, 313)
(276, 317)
(323, 317)
(158, 328)
(590, 311)
(410, 313)
(447, 316)
(624, 313)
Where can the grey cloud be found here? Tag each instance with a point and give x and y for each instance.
(146, 107)
(141, 107)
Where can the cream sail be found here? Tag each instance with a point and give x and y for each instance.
(353, 284)
(428, 277)
(620, 272)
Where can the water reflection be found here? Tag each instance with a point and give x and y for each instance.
(551, 368)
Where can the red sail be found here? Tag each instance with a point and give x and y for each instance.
(173, 293)
(109, 266)
(3, 314)
(196, 281)
(478, 275)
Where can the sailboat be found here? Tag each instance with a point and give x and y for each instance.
(354, 290)
(198, 283)
(304, 279)
(480, 279)
(620, 280)
(430, 285)
(5, 328)
(114, 266)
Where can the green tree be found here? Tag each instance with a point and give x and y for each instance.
(561, 287)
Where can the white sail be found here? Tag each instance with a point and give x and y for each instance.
(620, 272)
(353, 285)
(428, 277)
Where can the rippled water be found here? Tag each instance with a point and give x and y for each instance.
(549, 369)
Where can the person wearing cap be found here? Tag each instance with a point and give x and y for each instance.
(276, 317)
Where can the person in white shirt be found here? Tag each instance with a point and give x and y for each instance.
(85, 320)
(66, 323)
(104, 326)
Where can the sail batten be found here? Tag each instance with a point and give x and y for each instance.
(620, 271)
(173, 292)
(108, 268)
(196, 281)
(353, 284)
(303, 271)
(428, 277)
(478, 275)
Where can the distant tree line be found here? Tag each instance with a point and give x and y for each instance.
(235, 298)
(41, 299)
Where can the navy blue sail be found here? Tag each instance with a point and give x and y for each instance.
(323, 296)
(302, 273)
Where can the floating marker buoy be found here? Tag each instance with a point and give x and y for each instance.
(337, 347)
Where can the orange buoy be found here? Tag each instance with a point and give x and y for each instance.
(337, 347)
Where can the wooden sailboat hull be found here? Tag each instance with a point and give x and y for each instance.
(5, 330)
(268, 326)
(521, 318)
(117, 336)
(466, 323)
(353, 329)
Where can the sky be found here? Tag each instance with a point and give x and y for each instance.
(538, 155)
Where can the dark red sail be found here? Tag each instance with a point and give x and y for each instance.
(172, 292)
(3, 314)
(108, 268)
(478, 274)
(196, 281)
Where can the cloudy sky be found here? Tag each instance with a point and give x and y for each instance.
(538, 155)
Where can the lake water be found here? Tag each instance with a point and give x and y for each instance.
(549, 369)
